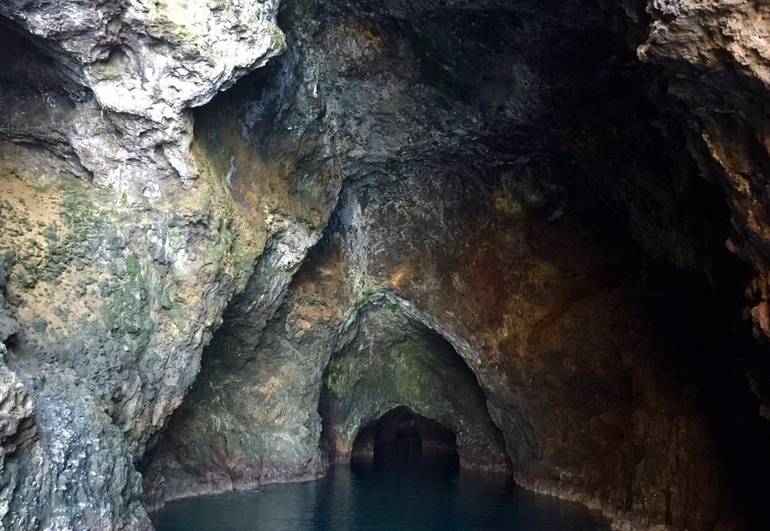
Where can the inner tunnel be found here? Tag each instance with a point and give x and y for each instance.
(402, 438)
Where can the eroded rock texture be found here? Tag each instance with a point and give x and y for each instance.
(471, 156)
(721, 57)
(494, 198)
(123, 239)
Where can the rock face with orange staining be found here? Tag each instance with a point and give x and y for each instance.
(120, 239)
(525, 302)
(716, 59)
(517, 234)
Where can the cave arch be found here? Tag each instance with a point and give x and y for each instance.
(394, 371)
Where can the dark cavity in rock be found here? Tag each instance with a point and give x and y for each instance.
(402, 438)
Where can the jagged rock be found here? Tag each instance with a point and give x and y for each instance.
(16, 428)
(717, 60)
(148, 62)
(127, 241)
(468, 215)
(8, 325)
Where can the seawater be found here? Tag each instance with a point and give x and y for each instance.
(371, 498)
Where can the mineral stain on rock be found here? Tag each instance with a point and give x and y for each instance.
(245, 243)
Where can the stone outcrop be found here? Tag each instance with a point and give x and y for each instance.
(716, 58)
(146, 63)
(126, 239)
(16, 407)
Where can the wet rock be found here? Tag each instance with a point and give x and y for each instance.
(472, 155)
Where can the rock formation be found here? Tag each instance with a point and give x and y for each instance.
(228, 248)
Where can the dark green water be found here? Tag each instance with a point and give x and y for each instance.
(366, 498)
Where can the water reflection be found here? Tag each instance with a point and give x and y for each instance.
(380, 498)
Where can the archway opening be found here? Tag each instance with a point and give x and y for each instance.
(403, 439)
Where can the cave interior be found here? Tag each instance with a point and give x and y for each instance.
(477, 233)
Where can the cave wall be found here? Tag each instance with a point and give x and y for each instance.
(484, 233)
(598, 417)
(121, 243)
(716, 59)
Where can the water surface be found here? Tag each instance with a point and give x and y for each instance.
(369, 498)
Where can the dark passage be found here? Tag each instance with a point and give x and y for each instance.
(404, 439)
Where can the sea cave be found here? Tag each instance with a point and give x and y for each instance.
(398, 265)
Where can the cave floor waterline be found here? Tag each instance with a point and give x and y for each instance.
(364, 497)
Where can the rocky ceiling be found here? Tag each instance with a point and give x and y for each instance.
(509, 217)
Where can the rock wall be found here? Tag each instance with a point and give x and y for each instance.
(121, 239)
(716, 60)
(476, 218)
